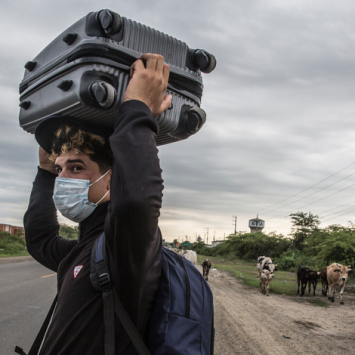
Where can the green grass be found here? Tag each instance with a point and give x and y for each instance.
(283, 283)
(12, 245)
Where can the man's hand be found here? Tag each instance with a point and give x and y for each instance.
(44, 162)
(149, 80)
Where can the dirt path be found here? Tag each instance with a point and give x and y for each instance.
(248, 322)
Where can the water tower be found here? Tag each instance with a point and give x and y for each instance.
(256, 225)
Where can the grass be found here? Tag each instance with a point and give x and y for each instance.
(283, 283)
(12, 245)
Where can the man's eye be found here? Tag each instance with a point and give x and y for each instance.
(76, 168)
(59, 170)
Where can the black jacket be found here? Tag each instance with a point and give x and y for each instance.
(130, 222)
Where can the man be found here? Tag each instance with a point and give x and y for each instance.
(122, 199)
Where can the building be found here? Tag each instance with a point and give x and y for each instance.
(256, 225)
(11, 229)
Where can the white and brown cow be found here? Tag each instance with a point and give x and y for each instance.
(265, 278)
(337, 276)
(190, 255)
(206, 265)
(265, 263)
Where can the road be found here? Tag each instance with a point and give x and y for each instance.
(26, 293)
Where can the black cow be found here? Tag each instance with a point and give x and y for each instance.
(302, 277)
(206, 265)
(314, 277)
(324, 279)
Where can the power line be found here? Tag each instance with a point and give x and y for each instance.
(305, 189)
(314, 201)
(334, 208)
(311, 194)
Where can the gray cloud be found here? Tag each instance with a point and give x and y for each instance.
(279, 106)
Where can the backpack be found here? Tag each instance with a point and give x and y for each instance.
(182, 315)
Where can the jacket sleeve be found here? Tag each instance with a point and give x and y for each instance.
(41, 224)
(131, 228)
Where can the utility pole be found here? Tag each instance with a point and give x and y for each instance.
(214, 236)
(206, 230)
(235, 224)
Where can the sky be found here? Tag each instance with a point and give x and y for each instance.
(279, 135)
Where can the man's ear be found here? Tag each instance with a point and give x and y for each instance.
(108, 180)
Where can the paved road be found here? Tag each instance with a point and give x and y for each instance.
(27, 290)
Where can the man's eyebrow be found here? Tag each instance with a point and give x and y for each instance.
(69, 161)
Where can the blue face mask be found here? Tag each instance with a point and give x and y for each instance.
(71, 198)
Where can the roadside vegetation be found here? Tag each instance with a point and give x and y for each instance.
(15, 245)
(12, 245)
(307, 245)
(68, 232)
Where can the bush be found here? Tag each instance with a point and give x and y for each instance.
(332, 244)
(68, 232)
(12, 245)
(250, 246)
(247, 246)
(293, 258)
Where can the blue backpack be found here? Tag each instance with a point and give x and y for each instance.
(182, 315)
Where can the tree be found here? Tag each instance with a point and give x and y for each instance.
(303, 224)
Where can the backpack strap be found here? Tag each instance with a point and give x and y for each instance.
(41, 334)
(101, 281)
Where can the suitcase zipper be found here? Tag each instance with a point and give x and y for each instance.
(187, 311)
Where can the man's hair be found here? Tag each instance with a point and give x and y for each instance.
(74, 139)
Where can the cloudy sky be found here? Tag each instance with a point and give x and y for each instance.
(279, 136)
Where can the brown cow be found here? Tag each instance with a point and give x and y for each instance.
(337, 275)
(323, 277)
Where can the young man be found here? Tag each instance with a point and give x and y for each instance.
(122, 199)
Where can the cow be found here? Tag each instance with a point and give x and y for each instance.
(190, 255)
(323, 277)
(313, 279)
(265, 263)
(206, 265)
(265, 278)
(337, 276)
(302, 278)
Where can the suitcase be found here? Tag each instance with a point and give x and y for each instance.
(84, 72)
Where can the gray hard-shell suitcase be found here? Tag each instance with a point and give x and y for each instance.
(84, 72)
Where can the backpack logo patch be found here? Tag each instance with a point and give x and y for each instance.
(77, 270)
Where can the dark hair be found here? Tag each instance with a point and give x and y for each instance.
(74, 139)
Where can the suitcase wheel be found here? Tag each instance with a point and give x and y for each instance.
(103, 92)
(195, 119)
(205, 61)
(110, 22)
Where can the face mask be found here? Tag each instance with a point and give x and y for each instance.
(71, 198)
